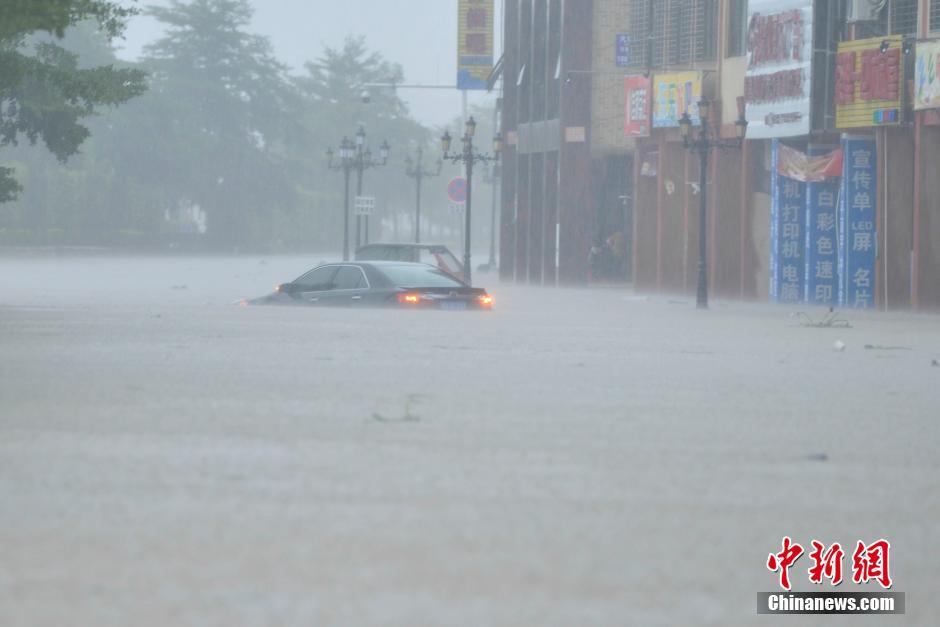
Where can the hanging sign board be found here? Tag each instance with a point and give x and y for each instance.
(637, 113)
(927, 75)
(869, 82)
(675, 94)
(778, 79)
(474, 43)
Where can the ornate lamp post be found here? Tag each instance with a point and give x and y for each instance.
(469, 156)
(355, 157)
(703, 145)
(415, 169)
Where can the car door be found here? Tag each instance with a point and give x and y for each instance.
(312, 286)
(349, 287)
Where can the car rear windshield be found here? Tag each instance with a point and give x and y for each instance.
(417, 276)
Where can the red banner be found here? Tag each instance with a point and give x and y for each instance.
(799, 166)
(637, 114)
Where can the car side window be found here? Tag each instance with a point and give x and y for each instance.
(349, 278)
(317, 280)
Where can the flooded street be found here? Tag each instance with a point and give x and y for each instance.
(575, 457)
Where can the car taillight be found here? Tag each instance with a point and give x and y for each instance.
(486, 300)
(409, 299)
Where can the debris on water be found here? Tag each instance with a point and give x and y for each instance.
(829, 321)
(838, 346)
(180, 287)
(818, 457)
(411, 400)
(935, 363)
(876, 347)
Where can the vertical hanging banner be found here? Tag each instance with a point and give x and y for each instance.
(787, 211)
(637, 114)
(778, 80)
(821, 246)
(857, 229)
(474, 43)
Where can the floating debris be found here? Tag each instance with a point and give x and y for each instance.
(829, 321)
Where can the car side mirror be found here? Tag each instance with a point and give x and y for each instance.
(286, 288)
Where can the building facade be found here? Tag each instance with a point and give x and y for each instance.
(832, 200)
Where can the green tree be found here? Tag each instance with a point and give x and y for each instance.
(222, 103)
(45, 91)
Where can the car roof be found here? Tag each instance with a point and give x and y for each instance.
(378, 264)
(402, 246)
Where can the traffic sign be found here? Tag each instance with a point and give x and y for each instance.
(457, 190)
(365, 205)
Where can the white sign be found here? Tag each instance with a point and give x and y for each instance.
(456, 207)
(779, 76)
(365, 205)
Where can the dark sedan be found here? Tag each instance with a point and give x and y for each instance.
(378, 284)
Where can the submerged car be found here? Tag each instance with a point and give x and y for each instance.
(378, 284)
(436, 255)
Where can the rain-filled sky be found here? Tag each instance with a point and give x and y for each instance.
(421, 35)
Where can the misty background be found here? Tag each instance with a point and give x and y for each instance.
(226, 148)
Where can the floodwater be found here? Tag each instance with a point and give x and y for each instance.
(575, 457)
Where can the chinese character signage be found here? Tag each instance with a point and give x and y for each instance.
(676, 94)
(778, 79)
(869, 82)
(474, 43)
(821, 284)
(623, 50)
(787, 216)
(927, 75)
(858, 235)
(637, 114)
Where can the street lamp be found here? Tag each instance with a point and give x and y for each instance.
(703, 145)
(414, 168)
(354, 156)
(469, 156)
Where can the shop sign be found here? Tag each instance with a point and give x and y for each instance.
(927, 75)
(821, 281)
(857, 224)
(778, 79)
(869, 82)
(674, 95)
(637, 113)
(787, 216)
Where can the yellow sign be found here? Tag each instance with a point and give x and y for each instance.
(474, 43)
(674, 95)
(927, 75)
(869, 82)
